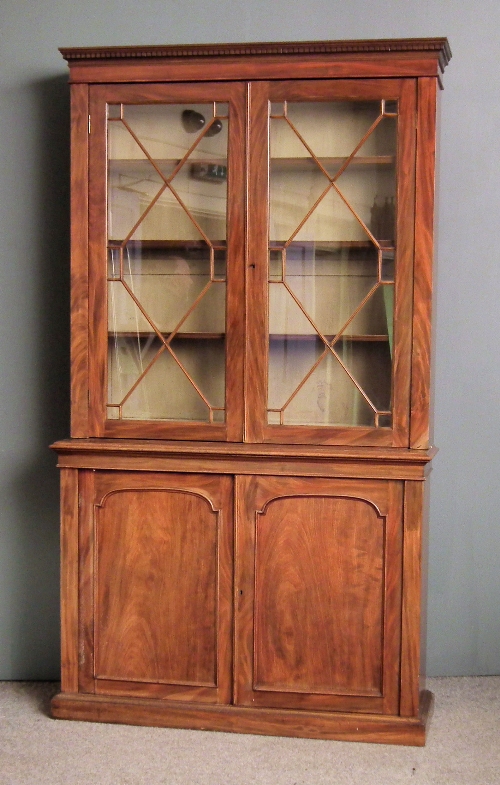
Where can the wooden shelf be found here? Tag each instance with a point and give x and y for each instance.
(278, 164)
(161, 245)
(328, 246)
(293, 164)
(131, 165)
(276, 245)
(142, 334)
(273, 337)
(314, 336)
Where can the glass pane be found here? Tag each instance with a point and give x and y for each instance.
(167, 206)
(328, 397)
(333, 129)
(129, 357)
(331, 283)
(333, 223)
(286, 317)
(204, 363)
(296, 181)
(290, 361)
(149, 402)
(369, 362)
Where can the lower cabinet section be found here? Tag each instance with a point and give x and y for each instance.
(268, 604)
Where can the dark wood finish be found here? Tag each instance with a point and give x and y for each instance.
(318, 590)
(435, 47)
(424, 224)
(311, 623)
(375, 728)
(69, 580)
(86, 549)
(411, 642)
(227, 69)
(319, 461)
(321, 59)
(157, 590)
(79, 262)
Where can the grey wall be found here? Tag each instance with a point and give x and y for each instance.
(464, 591)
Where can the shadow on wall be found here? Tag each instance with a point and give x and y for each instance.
(35, 642)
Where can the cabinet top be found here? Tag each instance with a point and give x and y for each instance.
(435, 48)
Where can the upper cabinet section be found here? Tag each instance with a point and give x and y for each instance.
(335, 275)
(252, 253)
(167, 199)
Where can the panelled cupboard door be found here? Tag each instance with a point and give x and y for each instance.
(318, 588)
(156, 585)
(330, 250)
(166, 260)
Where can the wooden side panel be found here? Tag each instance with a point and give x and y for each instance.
(411, 656)
(69, 580)
(319, 602)
(86, 583)
(405, 233)
(424, 243)
(162, 585)
(79, 261)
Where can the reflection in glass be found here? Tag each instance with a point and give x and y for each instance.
(332, 235)
(167, 206)
(148, 400)
(324, 392)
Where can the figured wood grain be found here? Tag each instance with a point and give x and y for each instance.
(245, 459)
(136, 447)
(163, 585)
(79, 262)
(413, 591)
(405, 231)
(156, 587)
(370, 66)
(256, 268)
(86, 579)
(98, 317)
(236, 226)
(69, 580)
(424, 241)
(319, 515)
(238, 719)
(319, 603)
(319, 588)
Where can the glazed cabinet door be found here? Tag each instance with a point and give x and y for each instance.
(318, 588)
(331, 228)
(166, 261)
(156, 585)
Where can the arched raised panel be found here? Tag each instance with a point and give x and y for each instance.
(162, 584)
(156, 587)
(319, 596)
(319, 566)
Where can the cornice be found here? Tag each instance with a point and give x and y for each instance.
(438, 47)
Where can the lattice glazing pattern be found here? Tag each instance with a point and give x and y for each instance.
(332, 244)
(167, 207)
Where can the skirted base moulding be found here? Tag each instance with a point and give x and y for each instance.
(239, 719)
